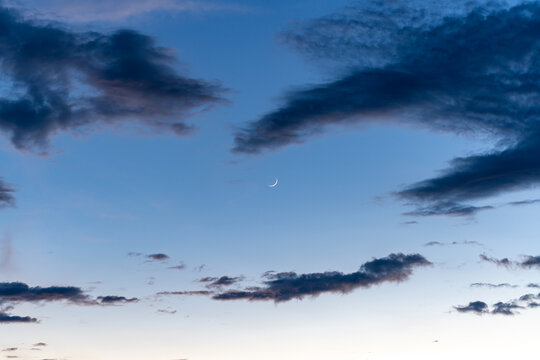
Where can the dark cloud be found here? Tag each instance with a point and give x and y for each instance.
(16, 292)
(158, 257)
(532, 285)
(40, 344)
(6, 195)
(499, 262)
(221, 281)
(113, 300)
(459, 71)
(286, 286)
(66, 81)
(166, 311)
(10, 349)
(477, 307)
(7, 319)
(502, 308)
(531, 261)
(493, 286)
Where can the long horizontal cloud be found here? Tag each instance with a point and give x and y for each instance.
(285, 286)
(527, 262)
(7, 319)
(13, 293)
(463, 73)
(71, 82)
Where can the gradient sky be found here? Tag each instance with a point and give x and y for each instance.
(139, 139)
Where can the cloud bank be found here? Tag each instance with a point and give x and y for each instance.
(415, 63)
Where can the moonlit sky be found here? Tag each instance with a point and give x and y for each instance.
(153, 184)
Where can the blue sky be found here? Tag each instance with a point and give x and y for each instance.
(373, 235)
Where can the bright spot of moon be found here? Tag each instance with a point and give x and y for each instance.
(274, 184)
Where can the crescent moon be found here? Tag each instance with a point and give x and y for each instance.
(274, 184)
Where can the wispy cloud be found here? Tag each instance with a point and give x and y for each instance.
(493, 286)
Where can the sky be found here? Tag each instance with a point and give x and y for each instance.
(140, 141)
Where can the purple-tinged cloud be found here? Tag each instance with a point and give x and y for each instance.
(280, 287)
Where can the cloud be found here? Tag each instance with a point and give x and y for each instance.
(505, 308)
(10, 349)
(220, 281)
(16, 292)
(113, 300)
(6, 195)
(532, 285)
(285, 286)
(477, 307)
(178, 267)
(528, 262)
(187, 293)
(531, 261)
(524, 202)
(499, 262)
(493, 286)
(158, 257)
(459, 71)
(104, 10)
(466, 242)
(13, 293)
(57, 80)
(8, 319)
(40, 344)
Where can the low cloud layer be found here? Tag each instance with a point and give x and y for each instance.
(285, 286)
(415, 63)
